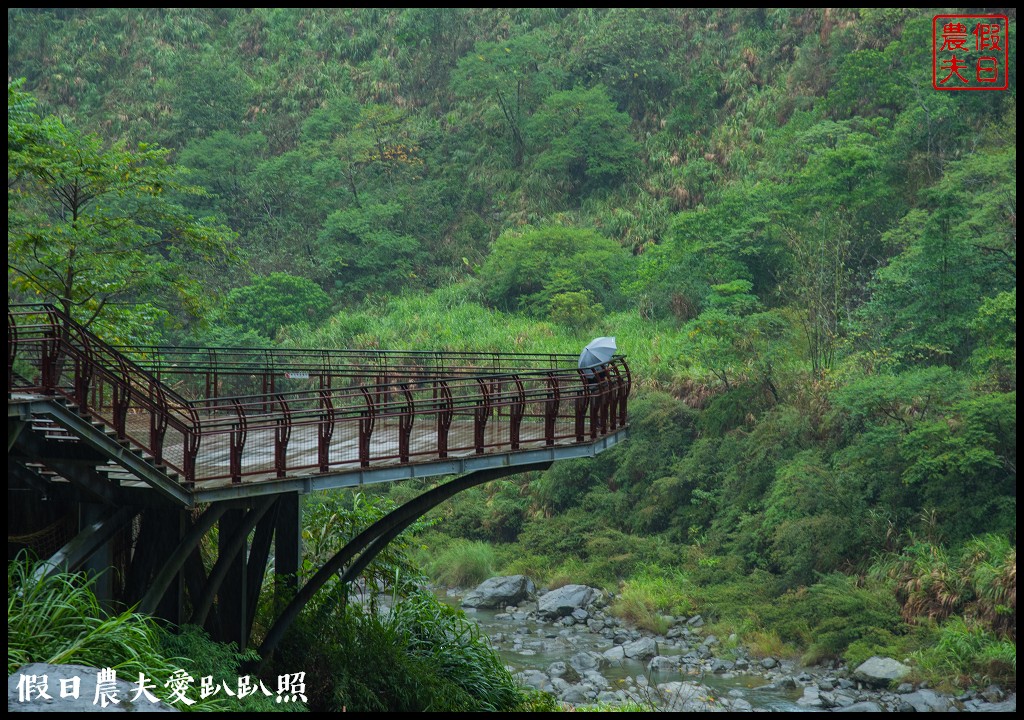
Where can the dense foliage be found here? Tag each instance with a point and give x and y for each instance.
(808, 253)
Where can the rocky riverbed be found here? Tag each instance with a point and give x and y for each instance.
(564, 642)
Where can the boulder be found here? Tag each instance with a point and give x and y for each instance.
(500, 591)
(561, 602)
(689, 697)
(880, 672)
(584, 661)
(534, 679)
(925, 700)
(640, 649)
(867, 706)
(663, 663)
(615, 656)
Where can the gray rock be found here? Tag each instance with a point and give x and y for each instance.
(580, 615)
(583, 661)
(579, 694)
(695, 621)
(688, 697)
(722, 666)
(710, 640)
(904, 688)
(810, 698)
(615, 655)
(740, 705)
(559, 686)
(880, 672)
(595, 625)
(993, 694)
(769, 662)
(1008, 705)
(641, 649)
(561, 602)
(787, 683)
(533, 678)
(593, 677)
(866, 706)
(24, 685)
(926, 701)
(557, 669)
(500, 591)
(663, 663)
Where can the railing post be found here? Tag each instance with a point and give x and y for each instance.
(157, 422)
(325, 431)
(366, 422)
(624, 388)
(236, 442)
(121, 398)
(551, 408)
(405, 421)
(48, 356)
(282, 434)
(12, 345)
(445, 411)
(480, 415)
(190, 449)
(515, 413)
(583, 402)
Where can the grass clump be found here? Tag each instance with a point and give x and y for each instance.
(965, 654)
(58, 620)
(644, 600)
(463, 563)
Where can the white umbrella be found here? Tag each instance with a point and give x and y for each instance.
(597, 352)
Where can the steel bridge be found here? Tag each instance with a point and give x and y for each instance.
(127, 457)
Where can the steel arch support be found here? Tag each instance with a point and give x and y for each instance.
(177, 559)
(80, 548)
(227, 554)
(375, 538)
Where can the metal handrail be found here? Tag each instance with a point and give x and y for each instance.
(454, 405)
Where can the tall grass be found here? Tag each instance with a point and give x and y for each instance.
(58, 620)
(646, 598)
(969, 654)
(420, 656)
(464, 563)
(452, 319)
(979, 582)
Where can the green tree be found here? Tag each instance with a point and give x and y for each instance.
(526, 270)
(94, 229)
(584, 141)
(279, 299)
(367, 250)
(509, 80)
(955, 252)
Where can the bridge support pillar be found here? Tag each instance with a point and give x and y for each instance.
(232, 604)
(287, 548)
(101, 563)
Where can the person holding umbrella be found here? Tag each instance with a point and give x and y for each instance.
(592, 362)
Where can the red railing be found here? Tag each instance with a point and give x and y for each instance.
(302, 411)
